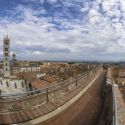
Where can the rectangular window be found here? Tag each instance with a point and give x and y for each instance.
(6, 49)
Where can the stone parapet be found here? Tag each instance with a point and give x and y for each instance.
(118, 106)
(31, 102)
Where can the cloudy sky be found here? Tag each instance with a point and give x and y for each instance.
(64, 29)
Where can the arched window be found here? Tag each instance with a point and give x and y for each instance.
(6, 54)
(30, 87)
(7, 84)
(22, 85)
(6, 42)
(6, 59)
(15, 85)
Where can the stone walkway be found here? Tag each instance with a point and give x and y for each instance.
(86, 110)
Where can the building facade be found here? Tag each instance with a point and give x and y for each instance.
(10, 83)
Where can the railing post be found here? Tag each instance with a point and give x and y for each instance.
(76, 81)
(47, 97)
(0, 91)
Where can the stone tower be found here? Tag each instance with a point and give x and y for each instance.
(6, 49)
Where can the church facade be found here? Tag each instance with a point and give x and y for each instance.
(11, 82)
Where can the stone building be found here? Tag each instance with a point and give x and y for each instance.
(10, 83)
(116, 74)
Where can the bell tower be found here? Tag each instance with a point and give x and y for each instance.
(6, 49)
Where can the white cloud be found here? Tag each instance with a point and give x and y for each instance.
(99, 38)
(52, 1)
(37, 53)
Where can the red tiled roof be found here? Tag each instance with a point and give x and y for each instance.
(29, 76)
(40, 84)
(48, 79)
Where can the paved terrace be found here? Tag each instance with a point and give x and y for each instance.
(30, 106)
(119, 106)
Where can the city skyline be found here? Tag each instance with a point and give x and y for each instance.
(64, 29)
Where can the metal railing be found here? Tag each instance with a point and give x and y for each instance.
(28, 100)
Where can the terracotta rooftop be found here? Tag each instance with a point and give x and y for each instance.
(48, 79)
(29, 76)
(40, 84)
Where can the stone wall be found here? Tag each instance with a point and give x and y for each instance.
(34, 98)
